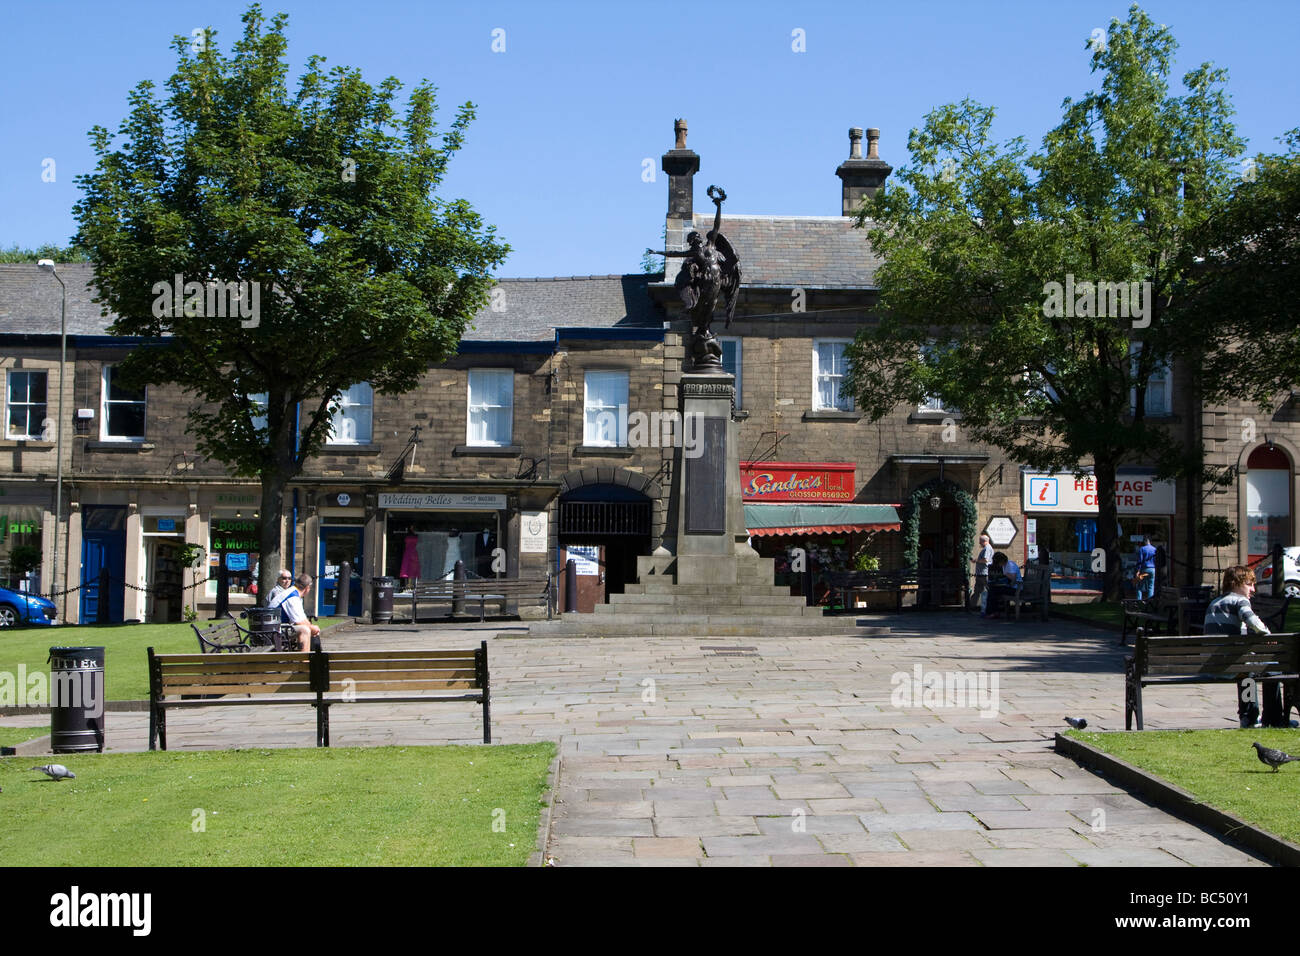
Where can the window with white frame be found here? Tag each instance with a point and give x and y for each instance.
(1158, 400)
(731, 363)
(25, 405)
(605, 405)
(123, 410)
(828, 375)
(491, 407)
(352, 423)
(932, 404)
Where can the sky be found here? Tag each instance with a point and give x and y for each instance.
(578, 95)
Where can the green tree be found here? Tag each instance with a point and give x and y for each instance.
(1243, 308)
(17, 253)
(310, 213)
(1055, 375)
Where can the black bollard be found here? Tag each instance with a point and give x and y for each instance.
(458, 600)
(570, 585)
(343, 593)
(223, 589)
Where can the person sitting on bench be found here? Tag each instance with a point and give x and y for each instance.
(1004, 575)
(1232, 614)
(292, 612)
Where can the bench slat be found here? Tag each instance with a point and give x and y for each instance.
(254, 689)
(426, 673)
(339, 687)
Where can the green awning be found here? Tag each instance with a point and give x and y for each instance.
(762, 520)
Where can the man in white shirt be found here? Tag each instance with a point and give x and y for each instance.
(293, 612)
(982, 561)
(282, 584)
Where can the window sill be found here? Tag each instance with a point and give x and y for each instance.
(31, 444)
(121, 446)
(739, 415)
(487, 451)
(342, 448)
(605, 451)
(830, 415)
(932, 418)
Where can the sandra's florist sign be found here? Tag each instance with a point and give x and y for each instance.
(796, 481)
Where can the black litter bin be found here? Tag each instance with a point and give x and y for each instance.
(263, 626)
(381, 607)
(76, 699)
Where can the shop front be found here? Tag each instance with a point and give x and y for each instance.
(810, 506)
(23, 513)
(1060, 524)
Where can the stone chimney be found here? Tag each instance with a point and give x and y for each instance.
(681, 165)
(861, 177)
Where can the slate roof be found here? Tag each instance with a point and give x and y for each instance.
(534, 308)
(813, 252)
(30, 298)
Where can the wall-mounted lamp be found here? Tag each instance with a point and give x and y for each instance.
(935, 502)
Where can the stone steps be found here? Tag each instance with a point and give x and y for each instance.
(658, 585)
(767, 603)
(691, 625)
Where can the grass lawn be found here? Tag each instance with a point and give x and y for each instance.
(13, 736)
(125, 661)
(345, 806)
(1220, 767)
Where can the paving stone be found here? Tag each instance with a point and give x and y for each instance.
(767, 845)
(915, 858)
(705, 826)
(1042, 857)
(895, 822)
(1126, 856)
(811, 824)
(1026, 819)
(810, 859)
(668, 847)
(943, 839)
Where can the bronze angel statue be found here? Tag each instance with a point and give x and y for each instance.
(710, 273)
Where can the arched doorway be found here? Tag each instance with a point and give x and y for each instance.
(604, 526)
(1268, 500)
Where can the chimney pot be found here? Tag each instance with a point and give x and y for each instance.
(855, 143)
(873, 143)
(679, 128)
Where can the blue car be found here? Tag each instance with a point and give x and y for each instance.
(18, 608)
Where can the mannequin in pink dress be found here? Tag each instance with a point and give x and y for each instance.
(410, 569)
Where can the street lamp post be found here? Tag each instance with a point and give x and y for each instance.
(47, 265)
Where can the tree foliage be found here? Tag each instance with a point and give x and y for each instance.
(978, 232)
(321, 200)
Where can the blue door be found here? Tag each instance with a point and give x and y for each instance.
(103, 547)
(336, 546)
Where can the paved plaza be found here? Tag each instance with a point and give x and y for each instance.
(789, 751)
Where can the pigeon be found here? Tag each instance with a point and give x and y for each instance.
(1078, 723)
(1274, 758)
(56, 771)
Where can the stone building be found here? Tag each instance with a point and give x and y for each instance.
(550, 435)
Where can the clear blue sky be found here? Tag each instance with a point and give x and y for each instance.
(585, 91)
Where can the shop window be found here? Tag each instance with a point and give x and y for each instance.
(352, 423)
(234, 534)
(123, 411)
(20, 546)
(1157, 400)
(731, 363)
(1268, 500)
(605, 405)
(425, 546)
(25, 411)
(828, 375)
(490, 420)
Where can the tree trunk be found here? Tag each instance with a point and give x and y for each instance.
(1108, 536)
(270, 530)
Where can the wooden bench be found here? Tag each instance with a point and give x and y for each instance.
(932, 585)
(321, 679)
(222, 636)
(1177, 610)
(1208, 659)
(1034, 589)
(503, 590)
